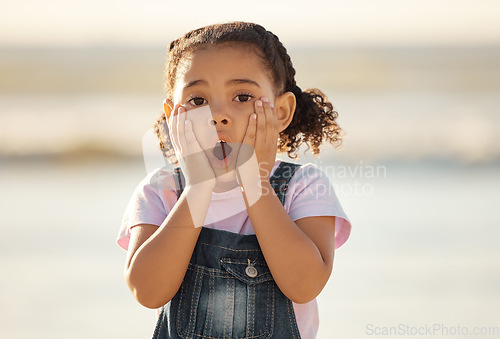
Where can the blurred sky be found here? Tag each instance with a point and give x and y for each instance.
(154, 22)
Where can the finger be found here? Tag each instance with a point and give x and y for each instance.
(275, 120)
(191, 141)
(172, 127)
(247, 147)
(251, 131)
(172, 114)
(261, 124)
(181, 130)
(269, 114)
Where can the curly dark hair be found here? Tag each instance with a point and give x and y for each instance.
(315, 118)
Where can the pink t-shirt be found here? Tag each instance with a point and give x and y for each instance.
(310, 193)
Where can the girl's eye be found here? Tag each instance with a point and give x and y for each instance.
(197, 101)
(243, 97)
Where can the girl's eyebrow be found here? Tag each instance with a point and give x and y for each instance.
(243, 81)
(230, 82)
(195, 82)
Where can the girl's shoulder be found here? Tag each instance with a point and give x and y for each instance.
(159, 179)
(307, 178)
(308, 173)
(299, 167)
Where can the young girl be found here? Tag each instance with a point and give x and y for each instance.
(269, 228)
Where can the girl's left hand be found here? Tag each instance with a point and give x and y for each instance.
(261, 138)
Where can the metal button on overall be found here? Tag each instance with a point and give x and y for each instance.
(251, 271)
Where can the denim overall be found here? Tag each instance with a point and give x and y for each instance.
(228, 290)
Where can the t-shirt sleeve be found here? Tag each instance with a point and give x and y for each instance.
(152, 200)
(311, 193)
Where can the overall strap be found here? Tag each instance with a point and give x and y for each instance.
(279, 180)
(281, 177)
(179, 181)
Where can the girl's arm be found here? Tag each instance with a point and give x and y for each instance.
(299, 254)
(158, 257)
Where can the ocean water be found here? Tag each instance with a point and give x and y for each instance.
(423, 250)
(393, 103)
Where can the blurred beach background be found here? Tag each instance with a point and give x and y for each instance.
(416, 85)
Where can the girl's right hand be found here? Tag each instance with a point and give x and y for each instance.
(192, 159)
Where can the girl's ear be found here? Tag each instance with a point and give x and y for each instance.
(168, 107)
(285, 108)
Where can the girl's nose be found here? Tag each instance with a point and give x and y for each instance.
(218, 121)
(220, 114)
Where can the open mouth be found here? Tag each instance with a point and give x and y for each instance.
(222, 150)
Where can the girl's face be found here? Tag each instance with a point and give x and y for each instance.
(225, 82)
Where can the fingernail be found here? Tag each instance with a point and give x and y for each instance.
(259, 103)
(265, 99)
(271, 104)
(254, 116)
(181, 110)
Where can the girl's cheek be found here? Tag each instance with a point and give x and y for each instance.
(246, 108)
